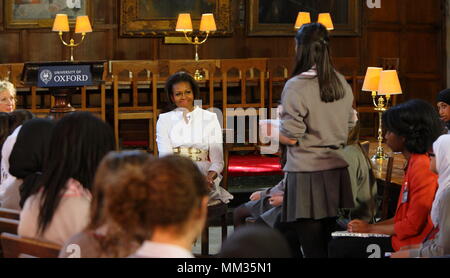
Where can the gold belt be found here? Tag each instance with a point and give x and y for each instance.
(193, 153)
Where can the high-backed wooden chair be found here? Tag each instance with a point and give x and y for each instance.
(136, 75)
(278, 71)
(207, 69)
(5, 72)
(40, 101)
(15, 246)
(9, 213)
(100, 109)
(387, 190)
(248, 77)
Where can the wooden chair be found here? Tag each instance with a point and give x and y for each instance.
(366, 146)
(387, 189)
(206, 67)
(278, 71)
(8, 225)
(9, 213)
(15, 246)
(218, 210)
(5, 72)
(244, 75)
(215, 210)
(85, 100)
(40, 100)
(137, 73)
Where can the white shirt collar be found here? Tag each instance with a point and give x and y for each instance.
(150, 249)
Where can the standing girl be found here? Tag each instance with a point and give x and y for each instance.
(316, 118)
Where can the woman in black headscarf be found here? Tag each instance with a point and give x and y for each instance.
(29, 155)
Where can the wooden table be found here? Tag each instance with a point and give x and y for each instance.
(379, 166)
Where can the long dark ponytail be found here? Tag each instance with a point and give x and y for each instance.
(312, 50)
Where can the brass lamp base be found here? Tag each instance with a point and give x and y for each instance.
(379, 155)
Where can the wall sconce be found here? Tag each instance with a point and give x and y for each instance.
(82, 26)
(207, 24)
(386, 83)
(305, 18)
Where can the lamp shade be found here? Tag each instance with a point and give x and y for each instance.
(389, 83)
(325, 20)
(208, 24)
(372, 79)
(61, 23)
(184, 23)
(83, 25)
(302, 18)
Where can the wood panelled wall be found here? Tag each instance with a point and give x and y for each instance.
(413, 31)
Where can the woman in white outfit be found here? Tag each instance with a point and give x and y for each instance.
(191, 131)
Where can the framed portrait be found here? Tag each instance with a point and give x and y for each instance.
(41, 13)
(147, 18)
(277, 17)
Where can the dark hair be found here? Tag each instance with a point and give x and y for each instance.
(112, 176)
(18, 117)
(163, 194)
(312, 49)
(255, 241)
(29, 154)
(415, 120)
(79, 142)
(178, 77)
(4, 129)
(444, 96)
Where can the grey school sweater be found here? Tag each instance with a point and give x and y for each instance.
(319, 127)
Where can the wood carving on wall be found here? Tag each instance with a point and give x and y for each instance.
(156, 18)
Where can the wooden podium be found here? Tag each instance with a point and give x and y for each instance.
(63, 78)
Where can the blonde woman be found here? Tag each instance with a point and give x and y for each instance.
(7, 96)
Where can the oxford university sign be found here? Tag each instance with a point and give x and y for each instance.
(64, 76)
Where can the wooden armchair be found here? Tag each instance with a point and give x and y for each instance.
(133, 75)
(248, 77)
(15, 246)
(278, 71)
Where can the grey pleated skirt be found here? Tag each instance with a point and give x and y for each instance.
(316, 195)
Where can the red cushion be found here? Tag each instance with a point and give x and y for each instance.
(135, 143)
(253, 165)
